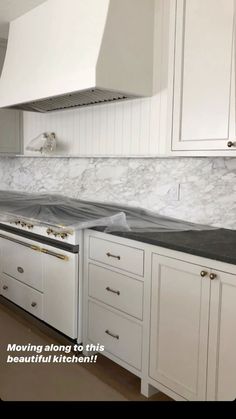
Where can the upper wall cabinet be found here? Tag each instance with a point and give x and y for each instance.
(202, 51)
(10, 120)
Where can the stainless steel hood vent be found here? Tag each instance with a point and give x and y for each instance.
(73, 100)
(71, 53)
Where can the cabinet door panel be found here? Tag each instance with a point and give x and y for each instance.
(61, 292)
(204, 75)
(179, 327)
(222, 339)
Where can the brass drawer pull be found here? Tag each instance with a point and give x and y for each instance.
(5, 287)
(213, 276)
(112, 335)
(20, 269)
(33, 304)
(109, 255)
(113, 291)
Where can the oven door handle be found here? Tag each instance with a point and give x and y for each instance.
(30, 246)
(56, 255)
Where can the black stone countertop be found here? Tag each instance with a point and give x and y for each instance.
(219, 244)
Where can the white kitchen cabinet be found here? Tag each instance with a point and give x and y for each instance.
(115, 290)
(60, 276)
(204, 75)
(179, 326)
(222, 339)
(10, 120)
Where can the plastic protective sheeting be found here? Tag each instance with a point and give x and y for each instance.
(65, 213)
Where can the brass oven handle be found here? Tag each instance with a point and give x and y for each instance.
(113, 291)
(112, 335)
(30, 246)
(56, 255)
(109, 255)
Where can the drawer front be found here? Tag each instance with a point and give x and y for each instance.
(22, 263)
(117, 255)
(117, 290)
(121, 337)
(22, 295)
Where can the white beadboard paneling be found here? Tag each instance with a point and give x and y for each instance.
(121, 129)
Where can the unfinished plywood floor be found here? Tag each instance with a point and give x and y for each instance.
(103, 381)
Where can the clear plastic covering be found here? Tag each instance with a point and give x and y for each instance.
(62, 213)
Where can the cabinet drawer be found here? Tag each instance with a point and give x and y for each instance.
(117, 255)
(117, 290)
(121, 337)
(22, 263)
(22, 295)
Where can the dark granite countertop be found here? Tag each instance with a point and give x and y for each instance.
(219, 244)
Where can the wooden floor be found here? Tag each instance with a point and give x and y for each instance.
(102, 381)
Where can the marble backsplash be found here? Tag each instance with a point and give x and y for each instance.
(201, 190)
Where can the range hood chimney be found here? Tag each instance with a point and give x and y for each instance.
(71, 53)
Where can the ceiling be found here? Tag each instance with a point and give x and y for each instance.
(11, 9)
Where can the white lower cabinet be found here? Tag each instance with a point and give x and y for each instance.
(114, 292)
(175, 328)
(193, 328)
(222, 339)
(179, 326)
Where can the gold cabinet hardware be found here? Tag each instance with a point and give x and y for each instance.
(5, 287)
(230, 144)
(213, 276)
(112, 335)
(203, 274)
(20, 270)
(36, 248)
(33, 304)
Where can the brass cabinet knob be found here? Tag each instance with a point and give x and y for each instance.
(5, 287)
(33, 304)
(213, 276)
(203, 274)
(230, 144)
(20, 270)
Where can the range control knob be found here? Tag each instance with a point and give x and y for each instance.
(63, 236)
(30, 226)
(49, 231)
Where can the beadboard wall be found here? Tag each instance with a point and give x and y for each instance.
(119, 129)
(195, 189)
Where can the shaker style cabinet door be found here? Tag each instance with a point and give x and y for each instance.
(10, 120)
(222, 339)
(179, 326)
(60, 276)
(204, 76)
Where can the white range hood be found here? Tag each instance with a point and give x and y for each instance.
(69, 53)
